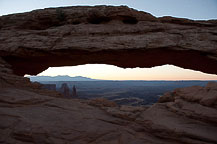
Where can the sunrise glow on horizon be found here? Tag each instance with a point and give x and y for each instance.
(110, 72)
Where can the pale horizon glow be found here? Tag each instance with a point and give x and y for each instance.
(110, 72)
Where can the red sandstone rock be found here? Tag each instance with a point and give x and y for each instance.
(31, 42)
(102, 102)
(28, 117)
(204, 95)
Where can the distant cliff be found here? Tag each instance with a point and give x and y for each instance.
(60, 78)
(49, 86)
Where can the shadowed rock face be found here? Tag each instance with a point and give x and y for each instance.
(31, 42)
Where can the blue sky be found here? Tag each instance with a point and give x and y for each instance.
(193, 9)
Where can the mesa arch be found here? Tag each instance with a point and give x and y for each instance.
(33, 41)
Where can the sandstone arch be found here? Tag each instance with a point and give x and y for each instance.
(31, 42)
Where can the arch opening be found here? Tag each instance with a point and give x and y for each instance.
(130, 86)
(111, 72)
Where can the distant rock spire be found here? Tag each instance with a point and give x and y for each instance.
(65, 90)
(74, 92)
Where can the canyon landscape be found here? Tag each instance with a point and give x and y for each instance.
(125, 92)
(33, 41)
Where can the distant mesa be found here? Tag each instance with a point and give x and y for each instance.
(60, 78)
(49, 86)
(65, 90)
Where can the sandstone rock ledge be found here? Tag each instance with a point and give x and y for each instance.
(33, 41)
(29, 117)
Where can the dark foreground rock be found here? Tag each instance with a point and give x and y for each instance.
(29, 117)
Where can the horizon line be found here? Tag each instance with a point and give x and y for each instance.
(28, 76)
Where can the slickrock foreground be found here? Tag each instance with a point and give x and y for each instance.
(31, 42)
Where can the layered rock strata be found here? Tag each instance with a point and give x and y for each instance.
(31, 42)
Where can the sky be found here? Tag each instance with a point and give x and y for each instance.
(191, 9)
(110, 72)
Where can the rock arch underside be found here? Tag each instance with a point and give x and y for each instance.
(33, 41)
